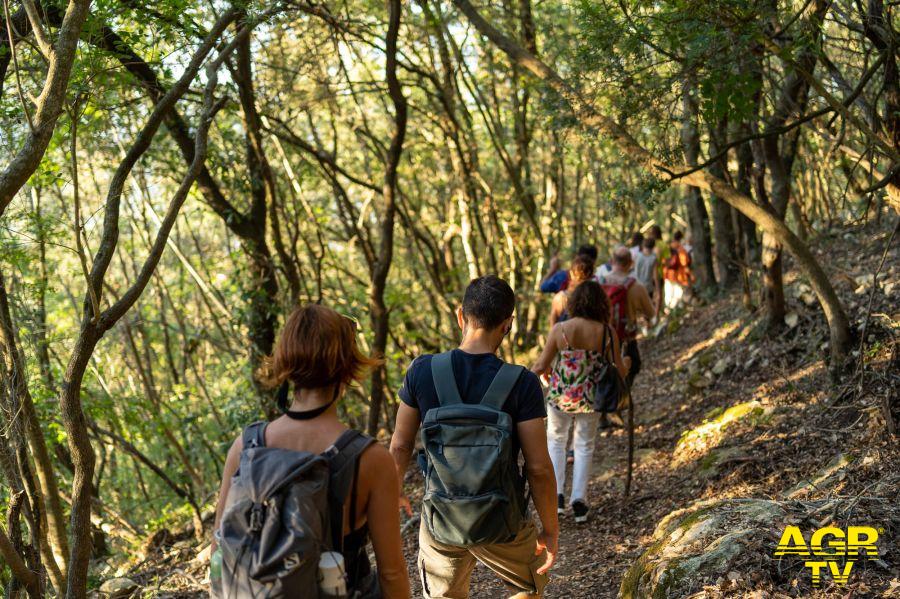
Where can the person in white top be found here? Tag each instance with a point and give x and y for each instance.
(605, 269)
(645, 268)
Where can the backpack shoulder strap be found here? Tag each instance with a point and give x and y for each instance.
(444, 380)
(346, 450)
(255, 435)
(606, 342)
(343, 459)
(503, 383)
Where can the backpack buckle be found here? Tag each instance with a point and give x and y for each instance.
(256, 517)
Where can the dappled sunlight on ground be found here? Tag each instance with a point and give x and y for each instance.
(719, 334)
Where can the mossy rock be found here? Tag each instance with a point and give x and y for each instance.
(711, 464)
(694, 546)
(706, 358)
(118, 588)
(673, 326)
(699, 381)
(835, 469)
(710, 433)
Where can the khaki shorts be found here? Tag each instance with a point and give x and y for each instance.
(446, 569)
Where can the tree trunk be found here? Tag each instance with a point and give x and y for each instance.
(792, 101)
(82, 459)
(881, 31)
(250, 227)
(723, 229)
(746, 231)
(698, 218)
(47, 498)
(780, 186)
(745, 237)
(49, 104)
(262, 319)
(378, 311)
(94, 325)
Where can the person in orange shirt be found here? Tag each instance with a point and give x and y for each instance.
(677, 272)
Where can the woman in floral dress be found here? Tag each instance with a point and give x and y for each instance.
(570, 358)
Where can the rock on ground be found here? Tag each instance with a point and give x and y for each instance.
(695, 546)
(118, 587)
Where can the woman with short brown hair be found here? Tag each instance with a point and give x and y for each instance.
(318, 357)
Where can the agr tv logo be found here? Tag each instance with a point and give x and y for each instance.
(830, 546)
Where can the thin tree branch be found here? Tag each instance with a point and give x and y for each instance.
(49, 103)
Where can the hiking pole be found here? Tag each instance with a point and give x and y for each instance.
(630, 425)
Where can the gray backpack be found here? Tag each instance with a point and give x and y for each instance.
(474, 491)
(283, 510)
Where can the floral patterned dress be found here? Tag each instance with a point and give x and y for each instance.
(572, 379)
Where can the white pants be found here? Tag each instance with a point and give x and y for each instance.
(673, 294)
(558, 425)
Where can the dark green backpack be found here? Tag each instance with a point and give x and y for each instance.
(474, 491)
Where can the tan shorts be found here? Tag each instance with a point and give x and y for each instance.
(446, 569)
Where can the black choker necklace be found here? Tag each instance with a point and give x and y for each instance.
(282, 399)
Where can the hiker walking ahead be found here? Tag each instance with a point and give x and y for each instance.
(635, 243)
(575, 351)
(477, 413)
(582, 270)
(677, 272)
(305, 483)
(557, 279)
(628, 300)
(645, 268)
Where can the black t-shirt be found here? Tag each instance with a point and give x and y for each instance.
(473, 374)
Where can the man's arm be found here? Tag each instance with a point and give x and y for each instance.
(539, 470)
(403, 443)
(640, 300)
(657, 283)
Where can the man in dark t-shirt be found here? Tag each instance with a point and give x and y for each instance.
(473, 374)
(485, 318)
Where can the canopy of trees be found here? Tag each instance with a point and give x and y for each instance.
(176, 175)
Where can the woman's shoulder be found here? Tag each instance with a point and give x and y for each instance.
(587, 325)
(376, 456)
(590, 329)
(376, 466)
